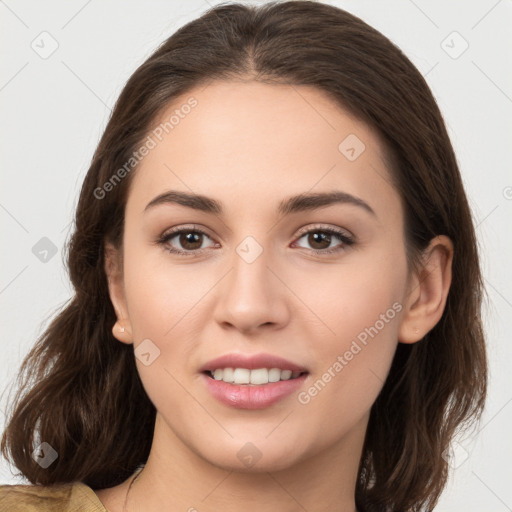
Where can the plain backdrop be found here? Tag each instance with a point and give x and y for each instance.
(65, 62)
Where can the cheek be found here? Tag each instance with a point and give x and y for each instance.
(343, 300)
(159, 292)
(161, 307)
(360, 314)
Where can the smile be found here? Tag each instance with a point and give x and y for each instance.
(253, 396)
(256, 377)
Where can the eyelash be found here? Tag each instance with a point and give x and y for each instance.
(346, 240)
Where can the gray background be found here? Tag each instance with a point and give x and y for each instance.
(55, 107)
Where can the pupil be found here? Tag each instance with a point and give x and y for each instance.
(324, 236)
(190, 238)
(315, 238)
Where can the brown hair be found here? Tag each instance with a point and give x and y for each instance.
(83, 392)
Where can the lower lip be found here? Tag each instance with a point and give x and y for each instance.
(244, 396)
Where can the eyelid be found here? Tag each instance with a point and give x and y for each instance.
(184, 227)
(325, 227)
(302, 231)
(347, 238)
(172, 232)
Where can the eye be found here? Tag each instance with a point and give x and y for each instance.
(320, 238)
(191, 239)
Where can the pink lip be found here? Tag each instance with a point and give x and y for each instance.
(244, 396)
(251, 362)
(247, 396)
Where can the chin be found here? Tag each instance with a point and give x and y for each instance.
(254, 457)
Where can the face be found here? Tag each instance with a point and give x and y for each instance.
(318, 284)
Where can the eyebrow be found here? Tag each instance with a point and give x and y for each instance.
(298, 203)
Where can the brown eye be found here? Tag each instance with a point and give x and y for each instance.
(320, 240)
(190, 240)
(187, 242)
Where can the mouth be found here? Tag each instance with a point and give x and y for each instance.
(253, 377)
(252, 381)
(258, 388)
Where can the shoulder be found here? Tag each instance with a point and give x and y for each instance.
(67, 497)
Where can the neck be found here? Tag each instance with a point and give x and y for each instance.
(176, 479)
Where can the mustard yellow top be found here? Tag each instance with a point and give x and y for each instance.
(69, 497)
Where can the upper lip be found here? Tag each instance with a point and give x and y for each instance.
(251, 362)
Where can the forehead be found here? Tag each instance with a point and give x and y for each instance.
(249, 142)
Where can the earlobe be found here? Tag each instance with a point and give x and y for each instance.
(428, 290)
(122, 333)
(121, 330)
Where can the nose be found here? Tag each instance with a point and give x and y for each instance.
(253, 295)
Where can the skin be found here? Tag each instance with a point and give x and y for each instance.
(249, 145)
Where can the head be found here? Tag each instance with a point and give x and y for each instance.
(241, 110)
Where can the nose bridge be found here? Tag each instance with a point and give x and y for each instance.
(251, 294)
(251, 277)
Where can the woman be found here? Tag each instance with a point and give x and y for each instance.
(277, 284)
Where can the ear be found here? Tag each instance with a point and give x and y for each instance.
(427, 291)
(122, 329)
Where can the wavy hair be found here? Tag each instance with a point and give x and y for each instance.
(79, 389)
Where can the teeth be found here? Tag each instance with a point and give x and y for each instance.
(259, 376)
(274, 374)
(286, 374)
(241, 376)
(228, 375)
(255, 377)
(217, 374)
